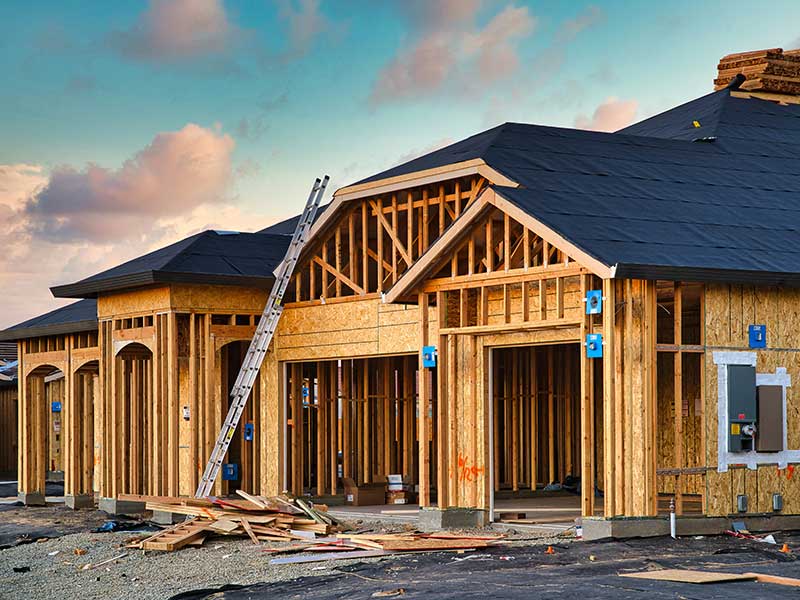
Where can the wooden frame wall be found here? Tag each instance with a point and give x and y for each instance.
(8, 428)
(367, 248)
(365, 408)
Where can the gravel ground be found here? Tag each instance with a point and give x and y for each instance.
(156, 575)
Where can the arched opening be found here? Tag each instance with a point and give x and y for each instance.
(138, 420)
(79, 463)
(42, 472)
(243, 451)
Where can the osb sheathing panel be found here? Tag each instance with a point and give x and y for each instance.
(134, 302)
(185, 430)
(8, 429)
(346, 329)
(271, 434)
(217, 298)
(729, 310)
(560, 335)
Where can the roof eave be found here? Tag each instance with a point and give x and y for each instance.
(13, 335)
(91, 289)
(705, 275)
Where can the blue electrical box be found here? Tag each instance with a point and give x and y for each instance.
(429, 356)
(594, 345)
(248, 432)
(594, 302)
(305, 391)
(758, 336)
(230, 472)
(56, 406)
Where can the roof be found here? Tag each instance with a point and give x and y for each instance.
(73, 318)
(663, 198)
(8, 374)
(287, 226)
(209, 257)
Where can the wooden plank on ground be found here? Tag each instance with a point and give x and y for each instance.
(690, 576)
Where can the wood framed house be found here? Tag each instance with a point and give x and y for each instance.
(614, 309)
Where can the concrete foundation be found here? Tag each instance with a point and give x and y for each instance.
(622, 527)
(80, 501)
(31, 498)
(112, 506)
(434, 519)
(167, 518)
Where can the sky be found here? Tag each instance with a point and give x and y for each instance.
(126, 126)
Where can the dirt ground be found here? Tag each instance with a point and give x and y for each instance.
(38, 559)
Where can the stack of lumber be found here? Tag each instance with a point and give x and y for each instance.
(259, 518)
(773, 71)
(366, 545)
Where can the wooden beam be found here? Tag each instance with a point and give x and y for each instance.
(422, 410)
(587, 416)
(339, 276)
(678, 395)
(609, 405)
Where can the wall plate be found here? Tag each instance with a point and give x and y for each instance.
(594, 345)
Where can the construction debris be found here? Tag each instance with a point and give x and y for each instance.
(259, 518)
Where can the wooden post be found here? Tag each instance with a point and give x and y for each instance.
(422, 409)
(587, 415)
(551, 438)
(609, 415)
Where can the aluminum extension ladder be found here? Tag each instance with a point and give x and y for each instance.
(261, 340)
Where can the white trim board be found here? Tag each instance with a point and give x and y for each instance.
(751, 459)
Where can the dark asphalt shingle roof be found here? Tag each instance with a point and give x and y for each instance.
(209, 257)
(654, 201)
(76, 317)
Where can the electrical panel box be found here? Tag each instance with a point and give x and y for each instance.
(230, 472)
(757, 336)
(55, 406)
(594, 302)
(742, 416)
(769, 437)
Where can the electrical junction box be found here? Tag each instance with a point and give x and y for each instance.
(757, 336)
(742, 415)
(248, 432)
(429, 357)
(56, 406)
(594, 302)
(594, 345)
(230, 472)
(305, 391)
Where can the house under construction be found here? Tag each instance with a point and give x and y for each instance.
(620, 310)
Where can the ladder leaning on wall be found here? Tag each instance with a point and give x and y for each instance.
(261, 340)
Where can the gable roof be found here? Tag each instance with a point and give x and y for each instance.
(287, 226)
(209, 257)
(654, 201)
(73, 318)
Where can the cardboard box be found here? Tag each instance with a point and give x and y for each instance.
(401, 497)
(368, 494)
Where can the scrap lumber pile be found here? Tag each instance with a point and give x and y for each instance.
(773, 71)
(259, 518)
(367, 545)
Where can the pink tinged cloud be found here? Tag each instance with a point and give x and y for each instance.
(611, 115)
(454, 53)
(176, 173)
(176, 30)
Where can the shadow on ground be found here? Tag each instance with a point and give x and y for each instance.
(578, 570)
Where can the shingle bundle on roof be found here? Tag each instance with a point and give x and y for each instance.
(770, 70)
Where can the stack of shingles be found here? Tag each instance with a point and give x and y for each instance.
(773, 71)
(261, 519)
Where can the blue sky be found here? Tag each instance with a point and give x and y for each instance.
(105, 103)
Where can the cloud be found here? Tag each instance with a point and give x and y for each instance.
(449, 50)
(611, 115)
(177, 172)
(177, 30)
(18, 183)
